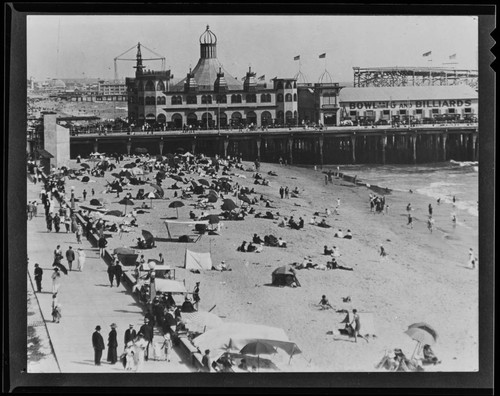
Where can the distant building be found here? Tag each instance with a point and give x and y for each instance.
(209, 96)
(108, 88)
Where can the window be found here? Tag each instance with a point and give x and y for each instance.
(206, 99)
(150, 86)
(435, 111)
(280, 97)
(161, 86)
(191, 99)
(386, 112)
(251, 98)
(294, 97)
(468, 111)
(280, 85)
(176, 100)
(161, 100)
(235, 98)
(418, 111)
(288, 97)
(265, 98)
(402, 112)
(288, 85)
(451, 111)
(353, 113)
(221, 98)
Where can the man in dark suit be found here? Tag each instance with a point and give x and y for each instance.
(130, 334)
(146, 331)
(98, 344)
(70, 256)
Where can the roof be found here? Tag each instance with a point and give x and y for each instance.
(205, 74)
(434, 92)
(44, 153)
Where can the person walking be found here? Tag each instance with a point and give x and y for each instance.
(430, 209)
(287, 192)
(118, 272)
(111, 273)
(130, 334)
(383, 253)
(48, 220)
(206, 362)
(84, 194)
(67, 223)
(79, 233)
(56, 309)
(81, 259)
(98, 345)
(38, 277)
(57, 222)
(472, 258)
(101, 243)
(70, 256)
(112, 345)
(355, 325)
(35, 209)
(56, 280)
(196, 295)
(93, 192)
(282, 192)
(146, 331)
(167, 346)
(410, 220)
(30, 211)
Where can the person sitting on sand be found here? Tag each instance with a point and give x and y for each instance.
(336, 252)
(324, 303)
(326, 251)
(282, 222)
(348, 235)
(339, 234)
(323, 224)
(429, 357)
(251, 247)
(328, 212)
(192, 216)
(281, 243)
(187, 305)
(256, 239)
(242, 247)
(243, 365)
(307, 263)
(313, 220)
(334, 265)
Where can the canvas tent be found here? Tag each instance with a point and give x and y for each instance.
(188, 223)
(197, 261)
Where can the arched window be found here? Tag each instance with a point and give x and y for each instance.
(295, 84)
(288, 85)
(289, 117)
(288, 97)
(279, 117)
(280, 85)
(222, 119)
(280, 98)
(265, 98)
(191, 99)
(162, 119)
(294, 97)
(206, 99)
(266, 118)
(251, 118)
(192, 119)
(147, 100)
(177, 120)
(236, 98)
(236, 118)
(221, 98)
(161, 86)
(176, 100)
(251, 98)
(150, 86)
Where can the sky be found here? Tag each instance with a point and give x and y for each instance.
(84, 46)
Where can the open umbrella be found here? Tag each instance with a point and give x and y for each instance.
(95, 202)
(160, 191)
(85, 165)
(176, 205)
(423, 333)
(177, 178)
(126, 202)
(212, 198)
(61, 267)
(117, 213)
(148, 237)
(85, 179)
(212, 219)
(130, 165)
(116, 175)
(258, 348)
(151, 195)
(204, 182)
(229, 205)
(244, 198)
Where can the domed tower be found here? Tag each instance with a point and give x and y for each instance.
(208, 44)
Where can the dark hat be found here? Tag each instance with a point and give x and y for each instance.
(197, 283)
(98, 327)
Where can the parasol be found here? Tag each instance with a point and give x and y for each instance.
(258, 348)
(117, 213)
(151, 195)
(176, 205)
(95, 202)
(148, 237)
(61, 267)
(130, 165)
(204, 182)
(85, 165)
(423, 333)
(126, 202)
(177, 178)
(229, 205)
(244, 198)
(161, 193)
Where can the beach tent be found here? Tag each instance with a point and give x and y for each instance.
(185, 223)
(197, 261)
(284, 276)
(234, 336)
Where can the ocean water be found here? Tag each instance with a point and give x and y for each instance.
(438, 180)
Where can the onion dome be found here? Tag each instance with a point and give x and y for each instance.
(208, 44)
(250, 83)
(190, 85)
(325, 78)
(220, 84)
(208, 37)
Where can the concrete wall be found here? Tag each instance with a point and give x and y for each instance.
(56, 141)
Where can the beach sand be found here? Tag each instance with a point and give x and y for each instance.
(424, 278)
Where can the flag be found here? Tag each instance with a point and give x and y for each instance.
(322, 56)
(427, 53)
(262, 78)
(453, 56)
(296, 57)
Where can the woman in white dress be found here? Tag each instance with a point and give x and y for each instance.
(81, 259)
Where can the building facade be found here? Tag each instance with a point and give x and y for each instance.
(210, 97)
(108, 88)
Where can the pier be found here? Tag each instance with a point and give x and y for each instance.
(300, 146)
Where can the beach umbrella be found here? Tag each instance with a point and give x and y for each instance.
(126, 202)
(244, 198)
(129, 166)
(160, 191)
(284, 270)
(229, 205)
(117, 213)
(148, 237)
(85, 179)
(95, 202)
(423, 333)
(212, 198)
(176, 205)
(151, 195)
(177, 178)
(212, 219)
(258, 348)
(116, 175)
(204, 182)
(61, 267)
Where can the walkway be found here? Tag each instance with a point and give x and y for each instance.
(87, 301)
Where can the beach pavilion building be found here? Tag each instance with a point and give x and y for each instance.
(209, 96)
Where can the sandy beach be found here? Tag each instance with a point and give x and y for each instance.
(424, 278)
